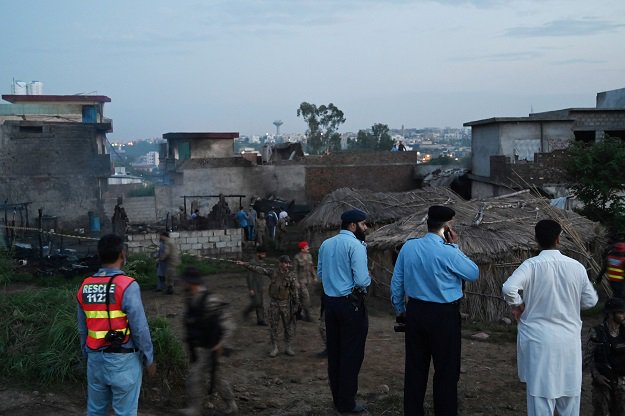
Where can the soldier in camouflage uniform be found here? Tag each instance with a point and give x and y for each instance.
(255, 287)
(208, 327)
(283, 304)
(305, 271)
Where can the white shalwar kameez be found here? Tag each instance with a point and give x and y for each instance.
(549, 353)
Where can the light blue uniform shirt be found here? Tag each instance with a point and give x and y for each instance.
(133, 307)
(342, 264)
(430, 270)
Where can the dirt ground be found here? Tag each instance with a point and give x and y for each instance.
(298, 385)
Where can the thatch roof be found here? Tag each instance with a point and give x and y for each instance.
(381, 207)
(491, 230)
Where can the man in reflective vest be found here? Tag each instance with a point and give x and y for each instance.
(114, 334)
(615, 268)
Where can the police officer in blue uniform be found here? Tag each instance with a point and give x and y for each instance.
(342, 268)
(429, 272)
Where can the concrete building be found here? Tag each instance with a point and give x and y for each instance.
(53, 155)
(511, 152)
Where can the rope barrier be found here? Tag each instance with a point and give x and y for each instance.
(78, 237)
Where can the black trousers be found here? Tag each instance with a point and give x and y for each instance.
(346, 328)
(432, 333)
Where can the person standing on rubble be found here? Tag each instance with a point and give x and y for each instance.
(305, 271)
(255, 286)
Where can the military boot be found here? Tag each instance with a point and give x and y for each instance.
(288, 350)
(274, 350)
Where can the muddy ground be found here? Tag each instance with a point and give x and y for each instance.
(298, 385)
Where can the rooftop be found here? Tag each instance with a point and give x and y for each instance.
(201, 136)
(19, 99)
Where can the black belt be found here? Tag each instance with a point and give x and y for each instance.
(120, 350)
(455, 302)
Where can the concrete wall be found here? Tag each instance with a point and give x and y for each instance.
(484, 143)
(284, 180)
(204, 148)
(611, 99)
(378, 171)
(58, 169)
(139, 209)
(205, 242)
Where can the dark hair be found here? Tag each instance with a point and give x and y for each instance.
(435, 225)
(547, 232)
(345, 225)
(261, 249)
(165, 234)
(110, 247)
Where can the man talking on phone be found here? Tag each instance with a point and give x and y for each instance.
(429, 271)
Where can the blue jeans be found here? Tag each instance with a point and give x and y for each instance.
(113, 378)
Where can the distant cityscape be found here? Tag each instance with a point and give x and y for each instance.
(143, 155)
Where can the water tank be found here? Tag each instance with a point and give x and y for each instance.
(19, 88)
(34, 88)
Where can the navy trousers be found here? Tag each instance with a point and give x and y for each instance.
(432, 334)
(346, 328)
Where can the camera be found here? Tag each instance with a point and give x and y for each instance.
(400, 323)
(116, 338)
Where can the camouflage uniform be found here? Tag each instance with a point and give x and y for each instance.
(283, 294)
(305, 270)
(600, 355)
(203, 361)
(255, 283)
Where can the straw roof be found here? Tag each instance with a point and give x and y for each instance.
(381, 207)
(493, 229)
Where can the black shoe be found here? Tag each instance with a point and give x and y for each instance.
(262, 323)
(170, 290)
(358, 408)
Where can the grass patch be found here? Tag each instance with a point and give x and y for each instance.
(207, 267)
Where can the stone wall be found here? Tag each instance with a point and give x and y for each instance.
(204, 242)
(140, 209)
(378, 171)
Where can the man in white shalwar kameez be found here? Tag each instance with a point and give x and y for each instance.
(549, 351)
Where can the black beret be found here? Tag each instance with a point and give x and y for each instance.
(353, 215)
(284, 259)
(614, 305)
(440, 213)
(192, 276)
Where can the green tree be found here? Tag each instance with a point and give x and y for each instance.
(598, 171)
(323, 123)
(377, 138)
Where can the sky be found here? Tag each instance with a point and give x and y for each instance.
(238, 65)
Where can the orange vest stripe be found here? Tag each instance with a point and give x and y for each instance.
(92, 299)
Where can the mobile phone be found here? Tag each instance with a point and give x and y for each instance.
(447, 234)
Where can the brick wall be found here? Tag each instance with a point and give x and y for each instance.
(547, 168)
(140, 209)
(378, 171)
(204, 242)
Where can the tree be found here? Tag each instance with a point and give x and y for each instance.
(378, 138)
(600, 179)
(323, 123)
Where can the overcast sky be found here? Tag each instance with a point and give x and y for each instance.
(238, 65)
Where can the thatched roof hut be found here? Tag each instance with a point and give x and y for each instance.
(382, 208)
(498, 234)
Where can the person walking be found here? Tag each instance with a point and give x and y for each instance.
(549, 353)
(606, 353)
(208, 327)
(252, 217)
(114, 334)
(168, 261)
(255, 286)
(342, 268)
(283, 304)
(430, 272)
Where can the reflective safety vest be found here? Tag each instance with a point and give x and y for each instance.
(92, 300)
(615, 268)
